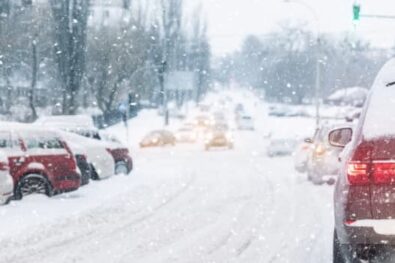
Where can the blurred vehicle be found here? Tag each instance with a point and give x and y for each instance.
(202, 121)
(281, 147)
(40, 161)
(301, 155)
(219, 136)
(364, 198)
(323, 161)
(100, 160)
(158, 138)
(278, 111)
(245, 122)
(83, 125)
(6, 182)
(186, 134)
(353, 115)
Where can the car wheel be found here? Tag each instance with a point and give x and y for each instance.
(345, 253)
(94, 175)
(207, 148)
(338, 256)
(33, 184)
(121, 168)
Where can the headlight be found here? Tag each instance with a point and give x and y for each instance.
(155, 140)
(320, 150)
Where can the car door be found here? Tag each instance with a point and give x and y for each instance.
(48, 153)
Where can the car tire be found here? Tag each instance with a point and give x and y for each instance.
(338, 256)
(94, 175)
(207, 148)
(121, 168)
(314, 178)
(345, 253)
(33, 184)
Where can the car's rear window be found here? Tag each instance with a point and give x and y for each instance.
(43, 143)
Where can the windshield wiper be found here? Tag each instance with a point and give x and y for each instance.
(390, 84)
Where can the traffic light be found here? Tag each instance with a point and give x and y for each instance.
(356, 8)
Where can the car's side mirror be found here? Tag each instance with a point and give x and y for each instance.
(308, 140)
(340, 137)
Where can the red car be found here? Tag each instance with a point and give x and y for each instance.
(365, 190)
(83, 125)
(40, 162)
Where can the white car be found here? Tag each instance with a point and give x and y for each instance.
(6, 181)
(245, 122)
(80, 124)
(96, 151)
(281, 147)
(301, 155)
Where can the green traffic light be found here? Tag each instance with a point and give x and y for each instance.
(356, 12)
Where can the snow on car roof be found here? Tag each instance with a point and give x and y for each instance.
(380, 119)
(27, 129)
(67, 121)
(351, 93)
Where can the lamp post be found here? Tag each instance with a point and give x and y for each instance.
(317, 89)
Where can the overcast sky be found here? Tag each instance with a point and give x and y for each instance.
(231, 20)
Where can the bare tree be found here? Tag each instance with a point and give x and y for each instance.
(70, 17)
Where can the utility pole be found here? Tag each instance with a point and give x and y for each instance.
(318, 83)
(34, 78)
(162, 72)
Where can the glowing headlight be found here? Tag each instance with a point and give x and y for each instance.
(155, 140)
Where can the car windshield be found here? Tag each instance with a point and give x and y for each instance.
(182, 131)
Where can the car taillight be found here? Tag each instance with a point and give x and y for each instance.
(383, 172)
(357, 173)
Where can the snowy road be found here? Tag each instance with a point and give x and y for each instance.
(186, 205)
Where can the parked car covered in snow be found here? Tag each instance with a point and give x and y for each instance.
(6, 182)
(83, 125)
(98, 156)
(80, 124)
(40, 161)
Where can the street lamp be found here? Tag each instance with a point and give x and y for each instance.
(318, 69)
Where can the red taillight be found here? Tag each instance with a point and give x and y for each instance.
(383, 172)
(357, 173)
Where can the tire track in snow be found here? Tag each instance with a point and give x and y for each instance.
(103, 218)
